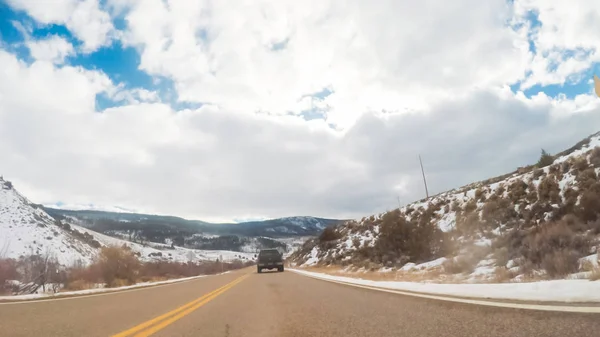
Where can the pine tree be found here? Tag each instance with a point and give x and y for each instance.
(545, 159)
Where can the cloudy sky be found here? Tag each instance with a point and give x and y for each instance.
(276, 108)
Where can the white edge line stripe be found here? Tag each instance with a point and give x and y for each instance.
(542, 307)
(103, 293)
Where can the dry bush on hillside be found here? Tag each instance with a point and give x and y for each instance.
(586, 178)
(561, 263)
(517, 190)
(502, 275)
(401, 241)
(589, 206)
(496, 213)
(470, 206)
(117, 265)
(479, 194)
(532, 196)
(455, 206)
(329, 234)
(595, 157)
(8, 272)
(548, 190)
(80, 276)
(38, 271)
(555, 242)
(468, 224)
(554, 169)
(463, 264)
(537, 173)
(580, 164)
(502, 256)
(565, 166)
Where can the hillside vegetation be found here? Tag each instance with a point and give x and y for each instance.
(541, 221)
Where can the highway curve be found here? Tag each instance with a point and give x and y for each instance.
(244, 303)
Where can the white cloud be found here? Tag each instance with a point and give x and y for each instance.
(406, 78)
(388, 55)
(84, 18)
(567, 41)
(217, 164)
(52, 49)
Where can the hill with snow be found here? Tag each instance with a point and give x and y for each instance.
(26, 229)
(541, 221)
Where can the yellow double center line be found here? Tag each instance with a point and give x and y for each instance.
(154, 325)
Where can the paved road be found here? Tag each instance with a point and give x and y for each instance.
(278, 305)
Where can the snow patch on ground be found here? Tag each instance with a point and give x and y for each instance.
(555, 291)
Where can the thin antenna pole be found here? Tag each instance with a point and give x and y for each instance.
(424, 180)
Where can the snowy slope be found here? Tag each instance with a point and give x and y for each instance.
(158, 252)
(448, 210)
(27, 230)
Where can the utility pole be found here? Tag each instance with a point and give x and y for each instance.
(424, 180)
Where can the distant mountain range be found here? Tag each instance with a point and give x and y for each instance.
(154, 226)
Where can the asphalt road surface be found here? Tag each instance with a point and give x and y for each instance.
(244, 303)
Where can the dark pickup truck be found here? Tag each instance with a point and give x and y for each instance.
(269, 259)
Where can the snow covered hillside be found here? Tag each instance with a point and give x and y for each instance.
(155, 251)
(28, 230)
(541, 221)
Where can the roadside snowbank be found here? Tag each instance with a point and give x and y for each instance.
(97, 290)
(546, 291)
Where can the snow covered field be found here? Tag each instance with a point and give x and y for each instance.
(573, 291)
(157, 251)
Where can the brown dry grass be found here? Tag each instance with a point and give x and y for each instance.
(78, 285)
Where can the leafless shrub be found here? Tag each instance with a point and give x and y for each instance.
(502, 256)
(470, 206)
(595, 157)
(561, 263)
(538, 173)
(532, 196)
(479, 194)
(463, 264)
(118, 263)
(8, 272)
(589, 206)
(468, 223)
(329, 234)
(502, 275)
(496, 213)
(580, 164)
(555, 243)
(565, 166)
(37, 271)
(517, 190)
(548, 190)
